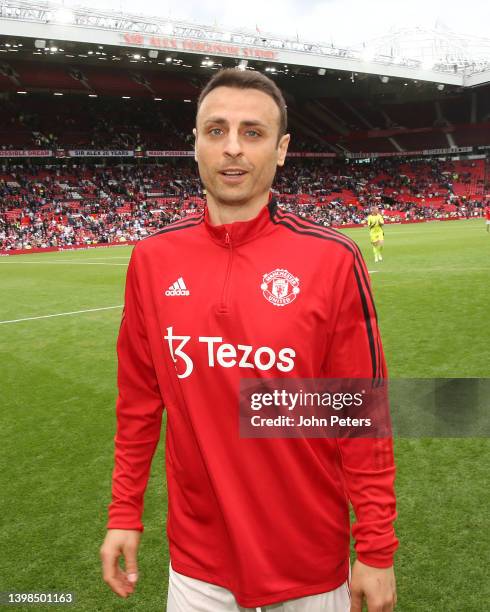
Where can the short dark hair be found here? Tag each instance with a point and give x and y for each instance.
(248, 79)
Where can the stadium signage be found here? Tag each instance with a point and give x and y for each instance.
(32, 153)
(74, 247)
(99, 153)
(394, 132)
(447, 151)
(158, 153)
(199, 46)
(191, 154)
(312, 154)
(169, 153)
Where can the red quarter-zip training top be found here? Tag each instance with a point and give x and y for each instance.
(276, 296)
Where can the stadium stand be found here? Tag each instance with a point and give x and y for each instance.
(42, 122)
(413, 115)
(61, 203)
(70, 106)
(357, 122)
(95, 79)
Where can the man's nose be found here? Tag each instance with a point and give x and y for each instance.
(233, 146)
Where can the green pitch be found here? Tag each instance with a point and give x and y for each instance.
(58, 385)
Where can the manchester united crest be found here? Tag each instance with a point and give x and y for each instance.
(280, 287)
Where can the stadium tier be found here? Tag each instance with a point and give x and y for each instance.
(42, 122)
(55, 101)
(62, 204)
(98, 151)
(47, 121)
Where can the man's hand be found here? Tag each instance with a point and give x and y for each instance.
(117, 543)
(377, 585)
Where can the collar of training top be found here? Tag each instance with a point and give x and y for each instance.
(240, 232)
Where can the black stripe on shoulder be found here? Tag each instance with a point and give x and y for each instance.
(295, 225)
(192, 217)
(336, 236)
(178, 225)
(315, 226)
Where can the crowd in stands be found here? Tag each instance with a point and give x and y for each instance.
(86, 123)
(37, 122)
(61, 204)
(47, 121)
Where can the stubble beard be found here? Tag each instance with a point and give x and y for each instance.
(227, 196)
(230, 196)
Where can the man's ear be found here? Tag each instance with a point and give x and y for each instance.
(194, 131)
(282, 148)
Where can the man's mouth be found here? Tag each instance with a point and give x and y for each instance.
(236, 172)
(233, 176)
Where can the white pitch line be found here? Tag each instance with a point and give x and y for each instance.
(373, 271)
(64, 257)
(110, 257)
(43, 258)
(70, 263)
(60, 314)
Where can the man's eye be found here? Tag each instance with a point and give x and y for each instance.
(215, 131)
(253, 133)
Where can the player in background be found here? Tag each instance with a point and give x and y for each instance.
(375, 223)
(487, 217)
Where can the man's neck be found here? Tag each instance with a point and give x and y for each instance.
(223, 214)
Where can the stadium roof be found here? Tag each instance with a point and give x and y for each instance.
(438, 57)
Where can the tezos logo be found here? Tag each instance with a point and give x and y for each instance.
(218, 353)
(280, 287)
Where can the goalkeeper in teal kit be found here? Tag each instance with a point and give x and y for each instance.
(252, 523)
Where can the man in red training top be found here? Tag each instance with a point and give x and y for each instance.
(254, 524)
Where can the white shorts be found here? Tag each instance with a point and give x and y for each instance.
(190, 595)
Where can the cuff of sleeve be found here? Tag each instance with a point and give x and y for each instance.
(125, 525)
(378, 560)
(124, 515)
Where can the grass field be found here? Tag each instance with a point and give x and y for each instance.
(57, 421)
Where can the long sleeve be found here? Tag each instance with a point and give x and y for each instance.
(139, 411)
(367, 463)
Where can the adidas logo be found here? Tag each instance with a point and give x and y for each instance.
(178, 288)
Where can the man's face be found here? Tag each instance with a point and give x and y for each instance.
(237, 146)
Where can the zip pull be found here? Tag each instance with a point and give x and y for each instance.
(227, 238)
